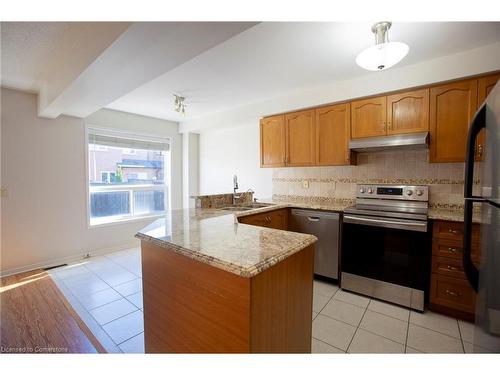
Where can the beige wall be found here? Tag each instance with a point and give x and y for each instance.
(44, 216)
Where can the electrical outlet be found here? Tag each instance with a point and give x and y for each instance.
(305, 184)
(86, 256)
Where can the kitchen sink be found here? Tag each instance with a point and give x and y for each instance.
(246, 207)
(237, 208)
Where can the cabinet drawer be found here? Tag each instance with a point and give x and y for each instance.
(452, 249)
(272, 219)
(452, 230)
(452, 292)
(450, 267)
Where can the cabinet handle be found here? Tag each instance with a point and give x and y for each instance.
(452, 293)
(451, 268)
(452, 249)
(480, 150)
(453, 231)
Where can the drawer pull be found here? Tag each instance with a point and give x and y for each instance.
(453, 231)
(451, 268)
(452, 293)
(453, 250)
(268, 219)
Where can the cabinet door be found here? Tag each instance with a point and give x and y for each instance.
(408, 112)
(272, 141)
(332, 135)
(452, 107)
(300, 138)
(484, 86)
(368, 117)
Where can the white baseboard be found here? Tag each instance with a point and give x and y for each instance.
(68, 259)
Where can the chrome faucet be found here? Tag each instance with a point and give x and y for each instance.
(235, 187)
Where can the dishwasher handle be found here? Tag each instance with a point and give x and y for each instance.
(313, 218)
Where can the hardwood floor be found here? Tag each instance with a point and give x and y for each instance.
(36, 318)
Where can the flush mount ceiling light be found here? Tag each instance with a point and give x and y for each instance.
(179, 105)
(383, 54)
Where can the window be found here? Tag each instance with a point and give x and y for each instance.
(130, 179)
(108, 177)
(130, 151)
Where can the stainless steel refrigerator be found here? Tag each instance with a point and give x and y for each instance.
(486, 279)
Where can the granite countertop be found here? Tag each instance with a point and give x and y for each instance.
(212, 236)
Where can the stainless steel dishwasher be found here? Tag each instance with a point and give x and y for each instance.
(325, 226)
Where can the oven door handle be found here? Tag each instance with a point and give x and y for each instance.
(397, 224)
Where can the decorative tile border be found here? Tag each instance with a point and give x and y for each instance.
(393, 181)
(312, 199)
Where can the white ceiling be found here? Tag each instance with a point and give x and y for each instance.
(217, 66)
(271, 59)
(30, 49)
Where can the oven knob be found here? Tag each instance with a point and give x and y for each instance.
(409, 192)
(362, 190)
(419, 192)
(370, 190)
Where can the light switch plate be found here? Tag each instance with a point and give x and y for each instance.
(305, 184)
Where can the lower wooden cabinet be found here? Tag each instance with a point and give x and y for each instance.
(454, 293)
(450, 291)
(277, 219)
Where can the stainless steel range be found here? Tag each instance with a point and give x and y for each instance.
(386, 244)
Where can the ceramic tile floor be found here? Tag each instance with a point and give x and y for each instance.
(106, 292)
(345, 322)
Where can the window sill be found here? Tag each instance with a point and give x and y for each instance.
(105, 222)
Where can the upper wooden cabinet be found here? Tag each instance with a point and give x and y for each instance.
(272, 141)
(452, 107)
(408, 112)
(332, 135)
(368, 117)
(484, 86)
(320, 136)
(300, 138)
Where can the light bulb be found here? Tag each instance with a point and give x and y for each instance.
(382, 56)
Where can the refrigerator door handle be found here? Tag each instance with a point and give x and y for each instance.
(478, 123)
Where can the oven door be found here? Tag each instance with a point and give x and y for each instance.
(395, 251)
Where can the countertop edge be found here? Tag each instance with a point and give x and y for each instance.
(230, 267)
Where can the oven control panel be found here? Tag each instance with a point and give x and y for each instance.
(400, 192)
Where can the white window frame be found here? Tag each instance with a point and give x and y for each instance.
(109, 175)
(167, 187)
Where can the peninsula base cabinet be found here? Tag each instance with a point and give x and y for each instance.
(193, 307)
(450, 292)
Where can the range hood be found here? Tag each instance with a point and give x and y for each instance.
(391, 142)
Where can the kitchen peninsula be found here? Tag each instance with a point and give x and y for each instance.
(212, 285)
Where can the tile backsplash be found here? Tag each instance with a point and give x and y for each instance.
(445, 180)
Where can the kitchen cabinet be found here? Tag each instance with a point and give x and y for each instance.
(300, 138)
(452, 107)
(277, 219)
(272, 141)
(332, 135)
(321, 136)
(484, 86)
(191, 306)
(408, 112)
(368, 117)
(450, 292)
